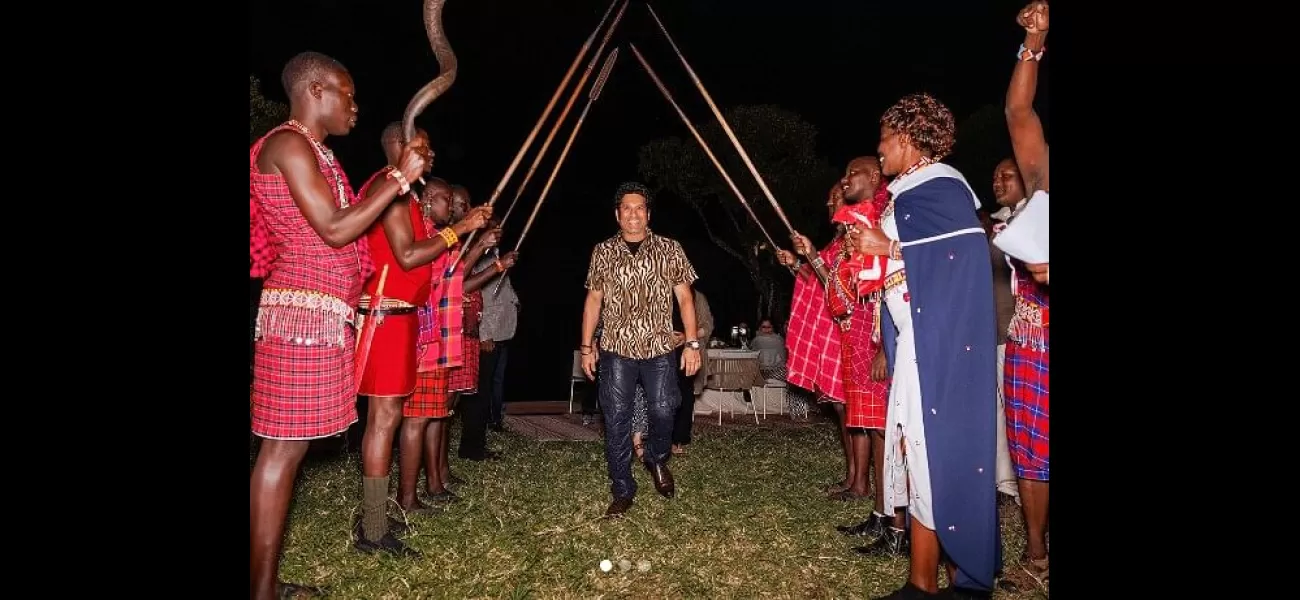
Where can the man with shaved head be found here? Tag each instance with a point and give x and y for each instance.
(400, 243)
(307, 229)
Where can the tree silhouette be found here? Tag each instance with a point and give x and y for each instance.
(263, 114)
(782, 145)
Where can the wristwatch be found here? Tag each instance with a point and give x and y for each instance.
(693, 344)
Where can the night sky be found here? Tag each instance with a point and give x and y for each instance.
(838, 63)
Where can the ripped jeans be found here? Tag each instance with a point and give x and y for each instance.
(618, 378)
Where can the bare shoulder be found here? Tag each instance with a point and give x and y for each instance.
(281, 148)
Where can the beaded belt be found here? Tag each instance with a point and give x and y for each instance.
(1030, 313)
(288, 298)
(896, 279)
(387, 306)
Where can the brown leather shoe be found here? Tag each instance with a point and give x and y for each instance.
(618, 507)
(663, 479)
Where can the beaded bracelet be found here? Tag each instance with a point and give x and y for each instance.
(1025, 54)
(449, 236)
(397, 176)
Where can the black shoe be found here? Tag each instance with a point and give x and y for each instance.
(487, 455)
(387, 544)
(893, 542)
(910, 592)
(618, 507)
(395, 526)
(872, 527)
(663, 480)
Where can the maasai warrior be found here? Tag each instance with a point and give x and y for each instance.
(401, 243)
(474, 408)
(631, 282)
(939, 334)
(304, 384)
(1009, 192)
(1026, 382)
(440, 350)
(818, 360)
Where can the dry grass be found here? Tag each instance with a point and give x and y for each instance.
(749, 521)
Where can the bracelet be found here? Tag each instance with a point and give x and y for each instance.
(449, 235)
(1025, 54)
(500, 267)
(397, 176)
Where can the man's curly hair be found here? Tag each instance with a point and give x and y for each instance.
(925, 121)
(632, 187)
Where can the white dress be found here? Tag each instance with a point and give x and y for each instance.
(907, 474)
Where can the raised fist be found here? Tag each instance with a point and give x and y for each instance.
(1033, 17)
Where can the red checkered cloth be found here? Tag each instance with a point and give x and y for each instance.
(442, 321)
(304, 380)
(260, 252)
(430, 400)
(312, 265)
(303, 392)
(866, 398)
(1026, 378)
(465, 377)
(813, 340)
(1026, 390)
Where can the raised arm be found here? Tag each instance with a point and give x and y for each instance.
(1027, 141)
(291, 155)
(411, 254)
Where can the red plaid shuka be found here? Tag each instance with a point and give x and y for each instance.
(430, 400)
(304, 382)
(465, 377)
(1026, 378)
(442, 318)
(813, 340)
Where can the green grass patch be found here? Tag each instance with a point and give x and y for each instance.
(749, 521)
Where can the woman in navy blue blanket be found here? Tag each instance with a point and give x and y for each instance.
(939, 332)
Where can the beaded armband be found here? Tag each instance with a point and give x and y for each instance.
(1025, 54)
(397, 176)
(449, 236)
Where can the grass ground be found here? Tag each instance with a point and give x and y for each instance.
(749, 521)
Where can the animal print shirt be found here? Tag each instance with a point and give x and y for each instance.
(637, 312)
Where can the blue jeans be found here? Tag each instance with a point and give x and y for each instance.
(496, 403)
(617, 381)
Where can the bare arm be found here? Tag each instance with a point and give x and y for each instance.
(475, 282)
(410, 254)
(590, 316)
(1027, 141)
(292, 156)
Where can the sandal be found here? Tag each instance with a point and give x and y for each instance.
(1037, 569)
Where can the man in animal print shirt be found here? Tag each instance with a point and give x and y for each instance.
(630, 284)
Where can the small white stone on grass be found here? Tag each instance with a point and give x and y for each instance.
(606, 566)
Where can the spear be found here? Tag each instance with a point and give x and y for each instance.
(555, 98)
(564, 153)
(722, 171)
(725, 127)
(564, 114)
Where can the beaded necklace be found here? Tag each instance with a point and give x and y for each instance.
(328, 155)
(924, 162)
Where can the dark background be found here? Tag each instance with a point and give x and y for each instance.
(839, 64)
